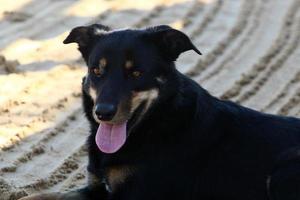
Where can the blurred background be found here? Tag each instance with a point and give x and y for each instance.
(251, 55)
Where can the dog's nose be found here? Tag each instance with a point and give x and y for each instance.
(105, 111)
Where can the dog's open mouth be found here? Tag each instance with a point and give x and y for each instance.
(111, 137)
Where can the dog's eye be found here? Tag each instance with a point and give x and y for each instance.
(136, 74)
(96, 71)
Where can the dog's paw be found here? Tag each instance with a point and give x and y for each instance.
(52, 196)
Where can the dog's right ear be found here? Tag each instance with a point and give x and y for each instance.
(85, 36)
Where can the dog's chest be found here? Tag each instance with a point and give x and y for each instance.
(116, 175)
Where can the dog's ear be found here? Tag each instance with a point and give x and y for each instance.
(85, 37)
(171, 42)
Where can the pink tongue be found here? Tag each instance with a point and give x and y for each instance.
(110, 138)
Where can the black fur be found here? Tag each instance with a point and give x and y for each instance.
(189, 144)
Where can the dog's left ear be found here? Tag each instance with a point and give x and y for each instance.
(171, 42)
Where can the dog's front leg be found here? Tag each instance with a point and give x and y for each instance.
(81, 194)
(94, 191)
(74, 195)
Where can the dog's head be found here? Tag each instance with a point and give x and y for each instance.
(126, 69)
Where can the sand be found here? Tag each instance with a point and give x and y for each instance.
(251, 55)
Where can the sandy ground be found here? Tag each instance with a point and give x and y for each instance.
(251, 55)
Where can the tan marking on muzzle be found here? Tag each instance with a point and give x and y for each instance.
(93, 93)
(139, 97)
(95, 116)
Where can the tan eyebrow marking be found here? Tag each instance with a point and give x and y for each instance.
(102, 62)
(128, 64)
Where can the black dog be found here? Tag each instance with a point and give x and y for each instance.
(163, 137)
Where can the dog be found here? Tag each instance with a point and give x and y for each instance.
(157, 134)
